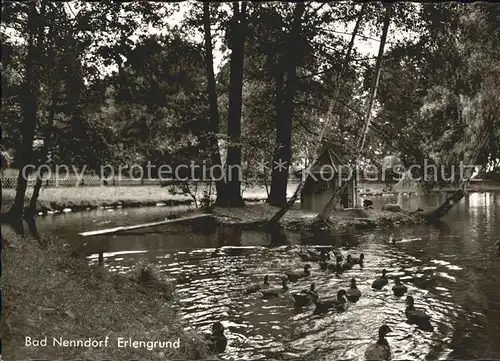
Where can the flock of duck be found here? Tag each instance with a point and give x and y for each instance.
(380, 350)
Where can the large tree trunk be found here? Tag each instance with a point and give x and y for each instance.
(212, 137)
(233, 163)
(284, 113)
(274, 220)
(29, 108)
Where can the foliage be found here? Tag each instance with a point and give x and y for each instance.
(441, 92)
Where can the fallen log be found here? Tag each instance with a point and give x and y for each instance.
(117, 230)
(435, 215)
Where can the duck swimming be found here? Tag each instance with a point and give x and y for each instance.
(304, 297)
(416, 316)
(257, 286)
(339, 303)
(353, 293)
(338, 254)
(358, 260)
(398, 289)
(337, 266)
(498, 248)
(217, 341)
(295, 276)
(275, 291)
(323, 262)
(379, 350)
(313, 256)
(380, 282)
(348, 264)
(304, 256)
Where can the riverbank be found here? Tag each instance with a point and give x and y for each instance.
(47, 293)
(74, 199)
(378, 189)
(306, 223)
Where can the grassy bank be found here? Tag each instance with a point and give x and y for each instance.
(82, 198)
(86, 198)
(46, 293)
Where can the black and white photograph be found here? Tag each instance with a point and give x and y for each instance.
(250, 180)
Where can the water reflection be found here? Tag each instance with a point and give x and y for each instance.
(451, 270)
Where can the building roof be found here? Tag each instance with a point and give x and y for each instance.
(328, 159)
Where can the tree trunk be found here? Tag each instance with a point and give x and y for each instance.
(233, 163)
(1, 216)
(279, 80)
(213, 144)
(284, 113)
(325, 214)
(29, 107)
(31, 209)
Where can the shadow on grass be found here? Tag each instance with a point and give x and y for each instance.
(48, 294)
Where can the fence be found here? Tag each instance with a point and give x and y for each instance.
(87, 181)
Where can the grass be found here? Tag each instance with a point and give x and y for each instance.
(93, 197)
(81, 198)
(46, 293)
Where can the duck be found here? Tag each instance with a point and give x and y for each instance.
(316, 257)
(353, 293)
(313, 253)
(399, 289)
(276, 291)
(379, 350)
(313, 256)
(323, 255)
(348, 264)
(257, 286)
(380, 282)
(304, 297)
(416, 316)
(323, 262)
(304, 256)
(498, 248)
(358, 260)
(339, 303)
(295, 276)
(216, 341)
(337, 266)
(338, 254)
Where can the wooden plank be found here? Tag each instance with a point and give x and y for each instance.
(116, 230)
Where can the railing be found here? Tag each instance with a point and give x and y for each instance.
(11, 182)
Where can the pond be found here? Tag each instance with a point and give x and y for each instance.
(451, 270)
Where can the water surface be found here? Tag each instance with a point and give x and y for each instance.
(451, 270)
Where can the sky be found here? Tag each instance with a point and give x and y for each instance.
(367, 46)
